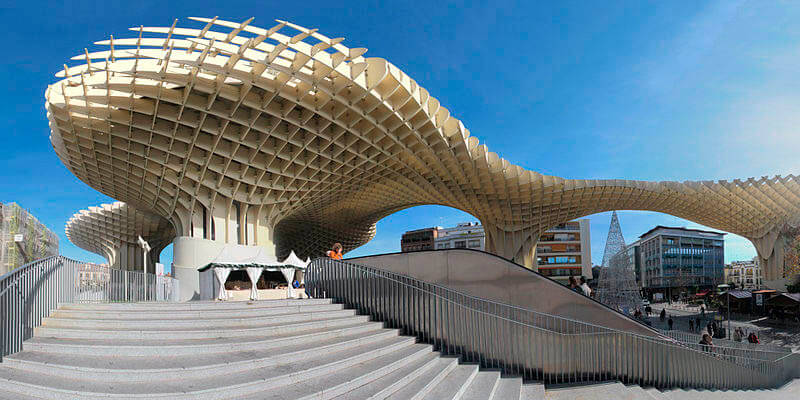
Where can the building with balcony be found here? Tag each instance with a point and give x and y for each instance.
(420, 239)
(744, 274)
(565, 250)
(466, 235)
(675, 258)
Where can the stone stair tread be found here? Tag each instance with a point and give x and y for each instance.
(172, 315)
(393, 381)
(640, 393)
(483, 386)
(192, 305)
(168, 362)
(508, 388)
(634, 392)
(454, 383)
(167, 343)
(532, 391)
(346, 379)
(173, 387)
(425, 382)
(196, 324)
(603, 390)
(197, 333)
(656, 394)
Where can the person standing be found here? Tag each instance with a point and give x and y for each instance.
(335, 252)
(587, 291)
(573, 285)
(663, 314)
(691, 325)
(706, 342)
(710, 329)
(669, 323)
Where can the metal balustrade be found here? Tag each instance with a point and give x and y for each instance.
(29, 293)
(539, 346)
(689, 337)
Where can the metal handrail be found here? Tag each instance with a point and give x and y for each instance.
(539, 346)
(689, 337)
(30, 293)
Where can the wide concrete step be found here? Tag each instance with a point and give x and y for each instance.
(173, 315)
(152, 369)
(423, 384)
(508, 388)
(483, 386)
(228, 386)
(382, 387)
(345, 380)
(173, 347)
(454, 384)
(191, 324)
(192, 305)
(265, 328)
(532, 391)
(605, 390)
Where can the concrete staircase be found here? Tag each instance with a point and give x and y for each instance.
(279, 349)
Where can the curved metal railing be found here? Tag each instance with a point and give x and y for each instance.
(28, 294)
(539, 346)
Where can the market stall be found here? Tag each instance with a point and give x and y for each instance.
(254, 260)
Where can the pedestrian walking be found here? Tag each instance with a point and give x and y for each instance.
(648, 310)
(669, 323)
(691, 325)
(710, 329)
(703, 311)
(663, 314)
(738, 334)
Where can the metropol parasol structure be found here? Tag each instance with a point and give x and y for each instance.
(113, 230)
(285, 138)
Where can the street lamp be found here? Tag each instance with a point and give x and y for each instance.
(726, 286)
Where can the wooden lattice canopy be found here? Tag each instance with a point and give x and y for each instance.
(287, 137)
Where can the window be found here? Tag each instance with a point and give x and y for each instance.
(460, 244)
(474, 244)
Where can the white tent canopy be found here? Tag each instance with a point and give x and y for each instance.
(255, 260)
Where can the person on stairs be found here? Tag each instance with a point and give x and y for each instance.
(335, 252)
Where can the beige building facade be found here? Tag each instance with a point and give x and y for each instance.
(745, 275)
(285, 138)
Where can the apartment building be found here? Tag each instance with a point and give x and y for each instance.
(564, 251)
(745, 275)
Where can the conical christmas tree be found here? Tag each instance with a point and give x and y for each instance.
(617, 287)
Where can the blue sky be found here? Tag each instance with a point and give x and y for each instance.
(679, 90)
